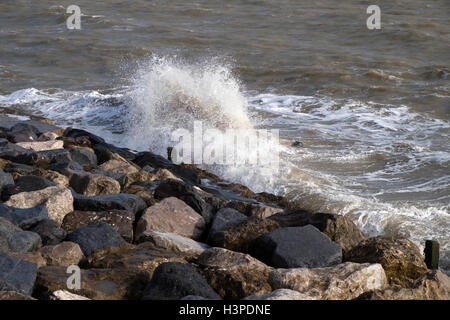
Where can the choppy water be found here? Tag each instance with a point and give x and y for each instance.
(371, 107)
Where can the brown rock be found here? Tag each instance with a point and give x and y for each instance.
(64, 254)
(54, 176)
(34, 257)
(252, 209)
(400, 258)
(172, 215)
(120, 220)
(234, 275)
(141, 191)
(89, 184)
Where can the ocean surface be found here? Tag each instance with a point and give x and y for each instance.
(370, 108)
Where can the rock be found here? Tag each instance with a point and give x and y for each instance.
(13, 295)
(63, 254)
(120, 220)
(58, 201)
(163, 174)
(253, 209)
(66, 295)
(147, 158)
(26, 184)
(281, 294)
(49, 231)
(93, 184)
(20, 132)
(242, 236)
(174, 243)
(401, 259)
(142, 192)
(17, 275)
(41, 145)
(119, 165)
(122, 201)
(56, 156)
(66, 168)
(85, 158)
(435, 285)
(15, 239)
(18, 169)
(224, 219)
(338, 228)
(96, 284)
(172, 215)
(23, 218)
(5, 180)
(142, 258)
(129, 178)
(184, 192)
(234, 275)
(174, 280)
(33, 257)
(342, 282)
(95, 236)
(54, 176)
(48, 136)
(295, 247)
(10, 151)
(38, 126)
(79, 142)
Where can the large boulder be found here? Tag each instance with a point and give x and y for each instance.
(121, 201)
(342, 282)
(89, 184)
(64, 254)
(49, 231)
(15, 239)
(120, 220)
(401, 259)
(234, 275)
(97, 284)
(58, 201)
(17, 275)
(42, 145)
(95, 236)
(338, 228)
(242, 236)
(26, 184)
(20, 132)
(224, 219)
(434, 285)
(295, 247)
(173, 243)
(23, 218)
(174, 280)
(172, 215)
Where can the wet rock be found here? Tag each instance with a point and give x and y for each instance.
(401, 259)
(184, 192)
(281, 294)
(17, 275)
(253, 209)
(234, 275)
(122, 201)
(242, 236)
(49, 231)
(434, 285)
(96, 284)
(63, 254)
(173, 243)
(23, 218)
(174, 280)
(95, 236)
(343, 282)
(224, 219)
(58, 201)
(85, 158)
(33, 257)
(41, 145)
(93, 184)
(297, 247)
(15, 239)
(120, 220)
(22, 132)
(338, 228)
(26, 184)
(66, 295)
(172, 215)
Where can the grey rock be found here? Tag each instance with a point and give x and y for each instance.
(23, 218)
(49, 231)
(17, 275)
(225, 218)
(95, 236)
(122, 201)
(87, 159)
(15, 239)
(26, 184)
(5, 180)
(297, 247)
(174, 280)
